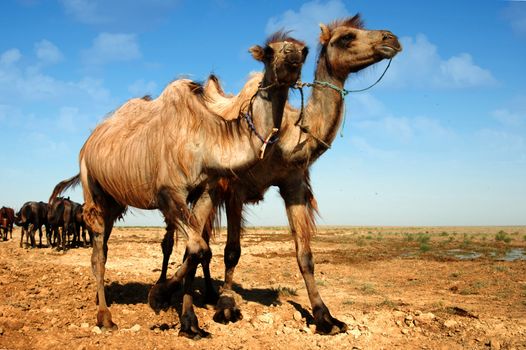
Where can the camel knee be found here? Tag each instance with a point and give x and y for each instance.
(306, 263)
(198, 252)
(94, 218)
(232, 254)
(168, 243)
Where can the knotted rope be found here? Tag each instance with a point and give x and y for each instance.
(342, 91)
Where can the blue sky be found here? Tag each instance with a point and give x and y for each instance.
(440, 141)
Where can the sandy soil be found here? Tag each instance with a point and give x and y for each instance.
(408, 288)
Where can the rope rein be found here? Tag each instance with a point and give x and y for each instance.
(273, 137)
(342, 91)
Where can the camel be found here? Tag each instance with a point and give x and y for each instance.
(172, 150)
(345, 48)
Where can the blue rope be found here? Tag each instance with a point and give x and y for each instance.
(252, 127)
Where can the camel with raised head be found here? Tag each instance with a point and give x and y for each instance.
(169, 151)
(345, 48)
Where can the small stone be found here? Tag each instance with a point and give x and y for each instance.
(297, 316)
(288, 330)
(135, 328)
(494, 344)
(312, 328)
(450, 323)
(355, 333)
(405, 331)
(306, 330)
(96, 330)
(267, 318)
(84, 325)
(72, 326)
(1, 331)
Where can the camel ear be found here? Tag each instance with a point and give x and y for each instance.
(325, 34)
(257, 52)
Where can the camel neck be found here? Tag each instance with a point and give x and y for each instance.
(245, 147)
(324, 110)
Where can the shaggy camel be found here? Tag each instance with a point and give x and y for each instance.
(170, 151)
(345, 48)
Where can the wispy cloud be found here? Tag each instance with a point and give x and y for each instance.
(304, 23)
(420, 65)
(10, 57)
(109, 47)
(372, 117)
(47, 52)
(515, 15)
(127, 15)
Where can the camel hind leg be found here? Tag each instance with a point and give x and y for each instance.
(101, 213)
(226, 308)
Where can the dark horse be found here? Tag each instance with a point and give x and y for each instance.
(61, 214)
(7, 218)
(32, 216)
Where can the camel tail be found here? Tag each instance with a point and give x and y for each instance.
(63, 186)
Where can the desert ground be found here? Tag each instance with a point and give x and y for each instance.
(395, 287)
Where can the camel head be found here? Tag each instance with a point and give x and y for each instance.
(283, 58)
(349, 47)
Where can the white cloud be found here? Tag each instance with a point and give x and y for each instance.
(47, 52)
(9, 57)
(141, 88)
(509, 118)
(420, 65)
(304, 23)
(86, 11)
(460, 71)
(109, 47)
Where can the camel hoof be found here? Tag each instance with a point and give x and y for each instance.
(227, 310)
(194, 334)
(328, 325)
(104, 321)
(159, 297)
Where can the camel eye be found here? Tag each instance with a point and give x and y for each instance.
(347, 38)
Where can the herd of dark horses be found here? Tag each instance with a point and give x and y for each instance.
(63, 222)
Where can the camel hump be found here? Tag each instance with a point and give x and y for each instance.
(229, 106)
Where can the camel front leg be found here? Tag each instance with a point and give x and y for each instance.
(197, 251)
(300, 205)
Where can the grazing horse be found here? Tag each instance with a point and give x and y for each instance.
(7, 218)
(166, 152)
(61, 215)
(80, 225)
(32, 216)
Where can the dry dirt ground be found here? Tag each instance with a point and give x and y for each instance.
(396, 287)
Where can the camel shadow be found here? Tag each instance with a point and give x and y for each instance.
(128, 293)
(137, 293)
(304, 312)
